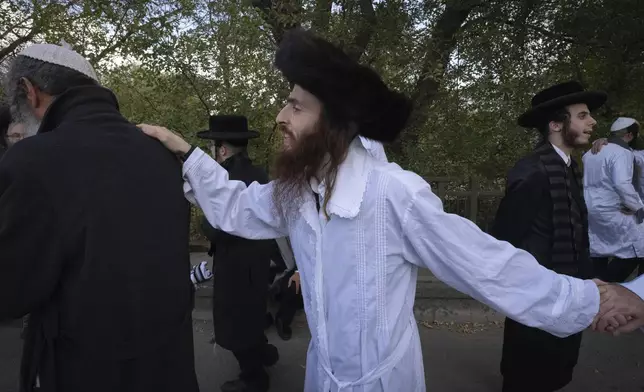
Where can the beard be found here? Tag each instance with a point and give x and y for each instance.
(572, 137)
(22, 113)
(294, 167)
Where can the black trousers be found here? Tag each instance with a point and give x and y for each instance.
(536, 361)
(290, 301)
(251, 363)
(617, 270)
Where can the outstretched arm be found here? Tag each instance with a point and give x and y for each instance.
(228, 205)
(494, 272)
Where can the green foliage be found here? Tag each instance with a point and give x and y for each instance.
(470, 66)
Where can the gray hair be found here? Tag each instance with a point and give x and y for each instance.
(51, 79)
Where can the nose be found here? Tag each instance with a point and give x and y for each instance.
(593, 122)
(281, 116)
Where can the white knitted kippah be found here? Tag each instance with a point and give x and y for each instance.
(60, 55)
(622, 123)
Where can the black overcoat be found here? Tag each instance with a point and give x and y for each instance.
(241, 269)
(533, 358)
(94, 233)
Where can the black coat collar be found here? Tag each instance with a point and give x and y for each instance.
(78, 103)
(237, 160)
(620, 142)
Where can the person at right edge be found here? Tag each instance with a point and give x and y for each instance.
(615, 207)
(544, 212)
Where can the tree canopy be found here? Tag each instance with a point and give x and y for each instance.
(470, 66)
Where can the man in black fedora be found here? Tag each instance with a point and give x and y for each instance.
(241, 266)
(543, 212)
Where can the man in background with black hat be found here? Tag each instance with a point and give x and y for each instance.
(543, 212)
(615, 206)
(241, 266)
(361, 227)
(94, 233)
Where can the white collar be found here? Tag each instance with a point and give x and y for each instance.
(374, 148)
(563, 155)
(350, 182)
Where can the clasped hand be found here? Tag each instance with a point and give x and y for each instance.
(620, 310)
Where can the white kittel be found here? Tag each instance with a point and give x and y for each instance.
(358, 269)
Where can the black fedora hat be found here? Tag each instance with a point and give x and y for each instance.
(557, 97)
(227, 127)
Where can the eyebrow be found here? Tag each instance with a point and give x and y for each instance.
(583, 113)
(293, 101)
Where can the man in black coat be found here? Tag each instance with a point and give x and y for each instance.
(94, 232)
(241, 266)
(544, 213)
(11, 133)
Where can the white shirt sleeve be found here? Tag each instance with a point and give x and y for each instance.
(494, 272)
(622, 176)
(228, 205)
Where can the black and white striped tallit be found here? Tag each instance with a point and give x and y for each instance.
(569, 253)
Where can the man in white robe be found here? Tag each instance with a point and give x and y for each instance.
(361, 228)
(615, 209)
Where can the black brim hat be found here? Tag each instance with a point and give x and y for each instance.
(557, 97)
(228, 127)
(350, 92)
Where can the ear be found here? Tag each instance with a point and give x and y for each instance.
(31, 92)
(555, 126)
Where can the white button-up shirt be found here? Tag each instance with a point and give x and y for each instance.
(608, 188)
(566, 158)
(358, 269)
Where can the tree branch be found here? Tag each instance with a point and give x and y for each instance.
(322, 14)
(134, 28)
(527, 7)
(117, 29)
(280, 15)
(438, 49)
(4, 52)
(109, 49)
(559, 36)
(365, 31)
(192, 84)
(12, 27)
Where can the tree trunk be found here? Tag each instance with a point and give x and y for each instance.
(281, 15)
(438, 49)
(365, 30)
(322, 15)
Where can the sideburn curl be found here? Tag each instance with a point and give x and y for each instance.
(316, 154)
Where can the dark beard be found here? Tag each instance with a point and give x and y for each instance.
(293, 169)
(569, 137)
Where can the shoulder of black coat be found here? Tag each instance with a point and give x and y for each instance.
(529, 168)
